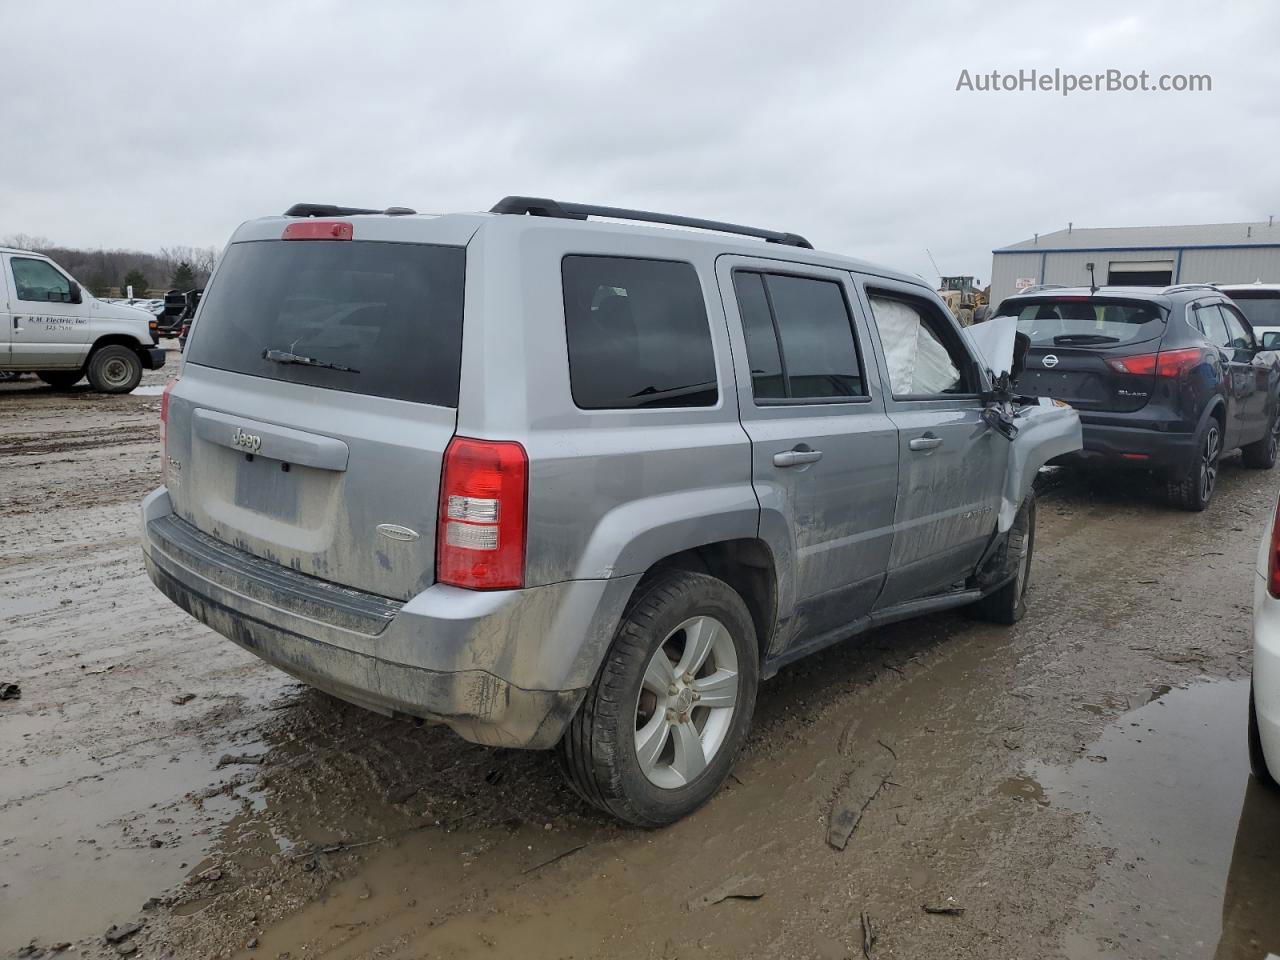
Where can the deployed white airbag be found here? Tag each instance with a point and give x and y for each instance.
(918, 363)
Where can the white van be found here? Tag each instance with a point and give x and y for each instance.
(51, 327)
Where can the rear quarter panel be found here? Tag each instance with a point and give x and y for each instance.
(610, 491)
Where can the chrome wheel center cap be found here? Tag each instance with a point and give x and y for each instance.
(683, 700)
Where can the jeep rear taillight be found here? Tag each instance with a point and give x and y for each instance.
(164, 432)
(1167, 363)
(480, 536)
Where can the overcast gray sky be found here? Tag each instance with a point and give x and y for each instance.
(148, 125)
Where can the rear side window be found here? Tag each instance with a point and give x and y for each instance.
(1084, 321)
(799, 334)
(389, 313)
(638, 334)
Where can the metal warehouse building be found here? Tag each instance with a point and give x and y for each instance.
(1142, 256)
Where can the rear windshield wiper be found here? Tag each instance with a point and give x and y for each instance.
(1066, 338)
(284, 356)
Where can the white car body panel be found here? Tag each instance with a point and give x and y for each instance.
(1266, 657)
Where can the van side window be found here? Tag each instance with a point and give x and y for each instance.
(638, 334)
(799, 333)
(924, 356)
(37, 280)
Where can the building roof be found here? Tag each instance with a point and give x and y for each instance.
(1152, 238)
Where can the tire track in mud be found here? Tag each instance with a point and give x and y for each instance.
(35, 444)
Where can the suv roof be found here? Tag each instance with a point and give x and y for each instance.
(527, 212)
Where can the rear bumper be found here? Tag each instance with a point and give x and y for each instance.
(503, 668)
(153, 358)
(1135, 446)
(1266, 670)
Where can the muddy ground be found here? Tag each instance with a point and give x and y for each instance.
(1076, 786)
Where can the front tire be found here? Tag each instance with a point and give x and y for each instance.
(61, 379)
(1257, 762)
(115, 369)
(669, 710)
(1193, 487)
(1008, 605)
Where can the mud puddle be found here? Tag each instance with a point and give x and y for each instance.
(1194, 842)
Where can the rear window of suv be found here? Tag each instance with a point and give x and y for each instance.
(1091, 321)
(1261, 308)
(390, 314)
(638, 334)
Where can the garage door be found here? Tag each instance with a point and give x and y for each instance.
(1140, 273)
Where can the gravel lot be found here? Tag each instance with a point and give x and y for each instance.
(1075, 786)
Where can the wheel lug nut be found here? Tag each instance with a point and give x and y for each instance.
(672, 690)
(671, 715)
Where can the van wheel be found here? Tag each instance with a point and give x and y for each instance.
(1257, 761)
(61, 379)
(1008, 604)
(670, 708)
(1192, 488)
(114, 369)
(1261, 454)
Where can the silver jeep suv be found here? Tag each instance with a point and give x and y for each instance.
(572, 484)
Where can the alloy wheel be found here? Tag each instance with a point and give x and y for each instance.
(1209, 463)
(686, 702)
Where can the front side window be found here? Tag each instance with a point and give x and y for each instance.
(799, 334)
(920, 358)
(1213, 325)
(39, 281)
(638, 334)
(1241, 339)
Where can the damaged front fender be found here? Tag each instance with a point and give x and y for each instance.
(1045, 431)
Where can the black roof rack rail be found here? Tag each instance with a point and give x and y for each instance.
(542, 207)
(333, 210)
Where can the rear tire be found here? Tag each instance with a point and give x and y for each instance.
(1261, 454)
(684, 632)
(61, 379)
(1008, 605)
(1192, 487)
(1257, 761)
(115, 369)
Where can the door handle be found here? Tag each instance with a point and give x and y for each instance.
(794, 458)
(925, 443)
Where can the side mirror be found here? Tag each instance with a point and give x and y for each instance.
(1021, 345)
(75, 296)
(1271, 340)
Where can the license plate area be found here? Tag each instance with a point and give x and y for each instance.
(267, 486)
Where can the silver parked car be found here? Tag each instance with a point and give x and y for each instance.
(564, 483)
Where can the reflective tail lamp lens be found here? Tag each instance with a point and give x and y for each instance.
(484, 488)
